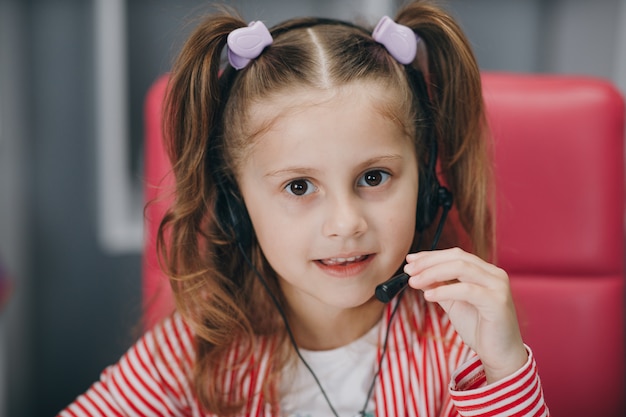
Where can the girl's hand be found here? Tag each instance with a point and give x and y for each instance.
(477, 297)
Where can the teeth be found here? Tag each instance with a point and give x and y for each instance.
(337, 261)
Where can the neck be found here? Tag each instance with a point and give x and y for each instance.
(330, 328)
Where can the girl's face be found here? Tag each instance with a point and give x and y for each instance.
(330, 184)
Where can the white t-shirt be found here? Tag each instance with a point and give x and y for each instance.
(346, 374)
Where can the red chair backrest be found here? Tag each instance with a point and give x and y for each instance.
(559, 165)
(157, 294)
(560, 227)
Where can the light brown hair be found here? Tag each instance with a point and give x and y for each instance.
(206, 136)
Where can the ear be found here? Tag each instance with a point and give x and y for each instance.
(233, 216)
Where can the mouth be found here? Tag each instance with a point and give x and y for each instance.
(344, 267)
(342, 261)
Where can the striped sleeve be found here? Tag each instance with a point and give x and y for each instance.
(151, 379)
(519, 395)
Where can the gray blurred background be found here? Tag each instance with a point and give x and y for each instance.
(73, 76)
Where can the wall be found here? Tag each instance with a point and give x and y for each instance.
(77, 305)
(14, 331)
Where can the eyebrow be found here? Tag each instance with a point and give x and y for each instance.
(305, 171)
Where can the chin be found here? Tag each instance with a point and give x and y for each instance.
(351, 301)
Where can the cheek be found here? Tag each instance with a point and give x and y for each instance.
(400, 218)
(271, 231)
(277, 238)
(401, 225)
(281, 248)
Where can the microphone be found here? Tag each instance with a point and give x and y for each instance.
(390, 288)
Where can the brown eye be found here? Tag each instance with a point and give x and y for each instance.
(373, 178)
(300, 187)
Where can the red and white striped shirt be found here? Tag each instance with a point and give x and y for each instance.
(427, 372)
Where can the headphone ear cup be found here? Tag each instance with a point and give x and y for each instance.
(233, 216)
(427, 200)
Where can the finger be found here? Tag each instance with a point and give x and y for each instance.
(490, 303)
(421, 260)
(459, 270)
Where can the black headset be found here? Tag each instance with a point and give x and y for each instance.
(231, 213)
(233, 218)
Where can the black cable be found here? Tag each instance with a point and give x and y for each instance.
(288, 328)
(283, 316)
(382, 355)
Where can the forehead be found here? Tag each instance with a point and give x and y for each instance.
(302, 104)
(325, 131)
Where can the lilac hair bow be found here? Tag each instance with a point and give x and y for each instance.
(247, 43)
(399, 40)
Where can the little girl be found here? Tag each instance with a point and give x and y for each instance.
(312, 170)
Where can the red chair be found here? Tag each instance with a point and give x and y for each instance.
(560, 221)
(158, 183)
(560, 231)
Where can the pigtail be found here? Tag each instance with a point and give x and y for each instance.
(190, 235)
(193, 107)
(192, 112)
(455, 92)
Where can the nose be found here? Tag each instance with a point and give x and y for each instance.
(345, 217)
